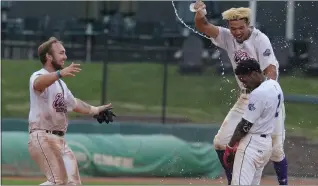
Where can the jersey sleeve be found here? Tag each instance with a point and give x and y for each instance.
(265, 52)
(70, 101)
(222, 39)
(254, 108)
(32, 79)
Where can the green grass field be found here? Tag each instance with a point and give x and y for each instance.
(36, 182)
(119, 181)
(137, 89)
(267, 180)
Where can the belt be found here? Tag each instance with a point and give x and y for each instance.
(263, 135)
(55, 132)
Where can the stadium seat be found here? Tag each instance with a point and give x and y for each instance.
(312, 66)
(192, 55)
(282, 49)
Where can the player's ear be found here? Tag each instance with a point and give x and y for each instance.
(247, 21)
(252, 74)
(257, 75)
(48, 56)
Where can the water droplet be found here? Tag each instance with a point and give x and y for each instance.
(181, 20)
(193, 30)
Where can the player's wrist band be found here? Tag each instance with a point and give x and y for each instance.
(59, 74)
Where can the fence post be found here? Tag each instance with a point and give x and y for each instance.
(89, 33)
(105, 75)
(165, 82)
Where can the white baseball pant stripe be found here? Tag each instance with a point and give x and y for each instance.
(252, 155)
(54, 158)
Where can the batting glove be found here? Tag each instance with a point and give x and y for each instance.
(105, 116)
(229, 155)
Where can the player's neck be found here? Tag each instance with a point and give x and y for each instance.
(49, 68)
(262, 80)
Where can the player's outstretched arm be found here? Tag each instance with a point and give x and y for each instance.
(87, 109)
(240, 131)
(45, 80)
(201, 22)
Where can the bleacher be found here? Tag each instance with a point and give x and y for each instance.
(123, 40)
(143, 38)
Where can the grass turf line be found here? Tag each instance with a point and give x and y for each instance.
(8, 181)
(136, 89)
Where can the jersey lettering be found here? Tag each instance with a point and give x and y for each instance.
(240, 56)
(59, 103)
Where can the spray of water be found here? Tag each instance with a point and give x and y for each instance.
(180, 19)
(193, 30)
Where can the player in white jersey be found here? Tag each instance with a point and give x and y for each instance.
(50, 100)
(242, 41)
(251, 142)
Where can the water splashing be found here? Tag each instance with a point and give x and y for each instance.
(196, 32)
(181, 20)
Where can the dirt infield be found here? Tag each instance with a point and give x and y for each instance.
(174, 181)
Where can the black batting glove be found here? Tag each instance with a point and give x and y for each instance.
(105, 116)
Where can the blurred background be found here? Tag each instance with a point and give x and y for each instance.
(170, 88)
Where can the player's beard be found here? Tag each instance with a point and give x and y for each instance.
(55, 65)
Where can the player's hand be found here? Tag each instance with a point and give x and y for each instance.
(200, 8)
(71, 70)
(229, 155)
(105, 114)
(104, 107)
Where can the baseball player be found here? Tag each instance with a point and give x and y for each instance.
(253, 132)
(242, 41)
(50, 100)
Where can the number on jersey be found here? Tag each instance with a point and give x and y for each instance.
(277, 109)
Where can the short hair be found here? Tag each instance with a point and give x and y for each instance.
(237, 14)
(45, 48)
(247, 66)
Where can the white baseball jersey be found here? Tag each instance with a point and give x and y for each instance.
(48, 110)
(264, 106)
(257, 46)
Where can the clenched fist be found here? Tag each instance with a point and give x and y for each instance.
(200, 8)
